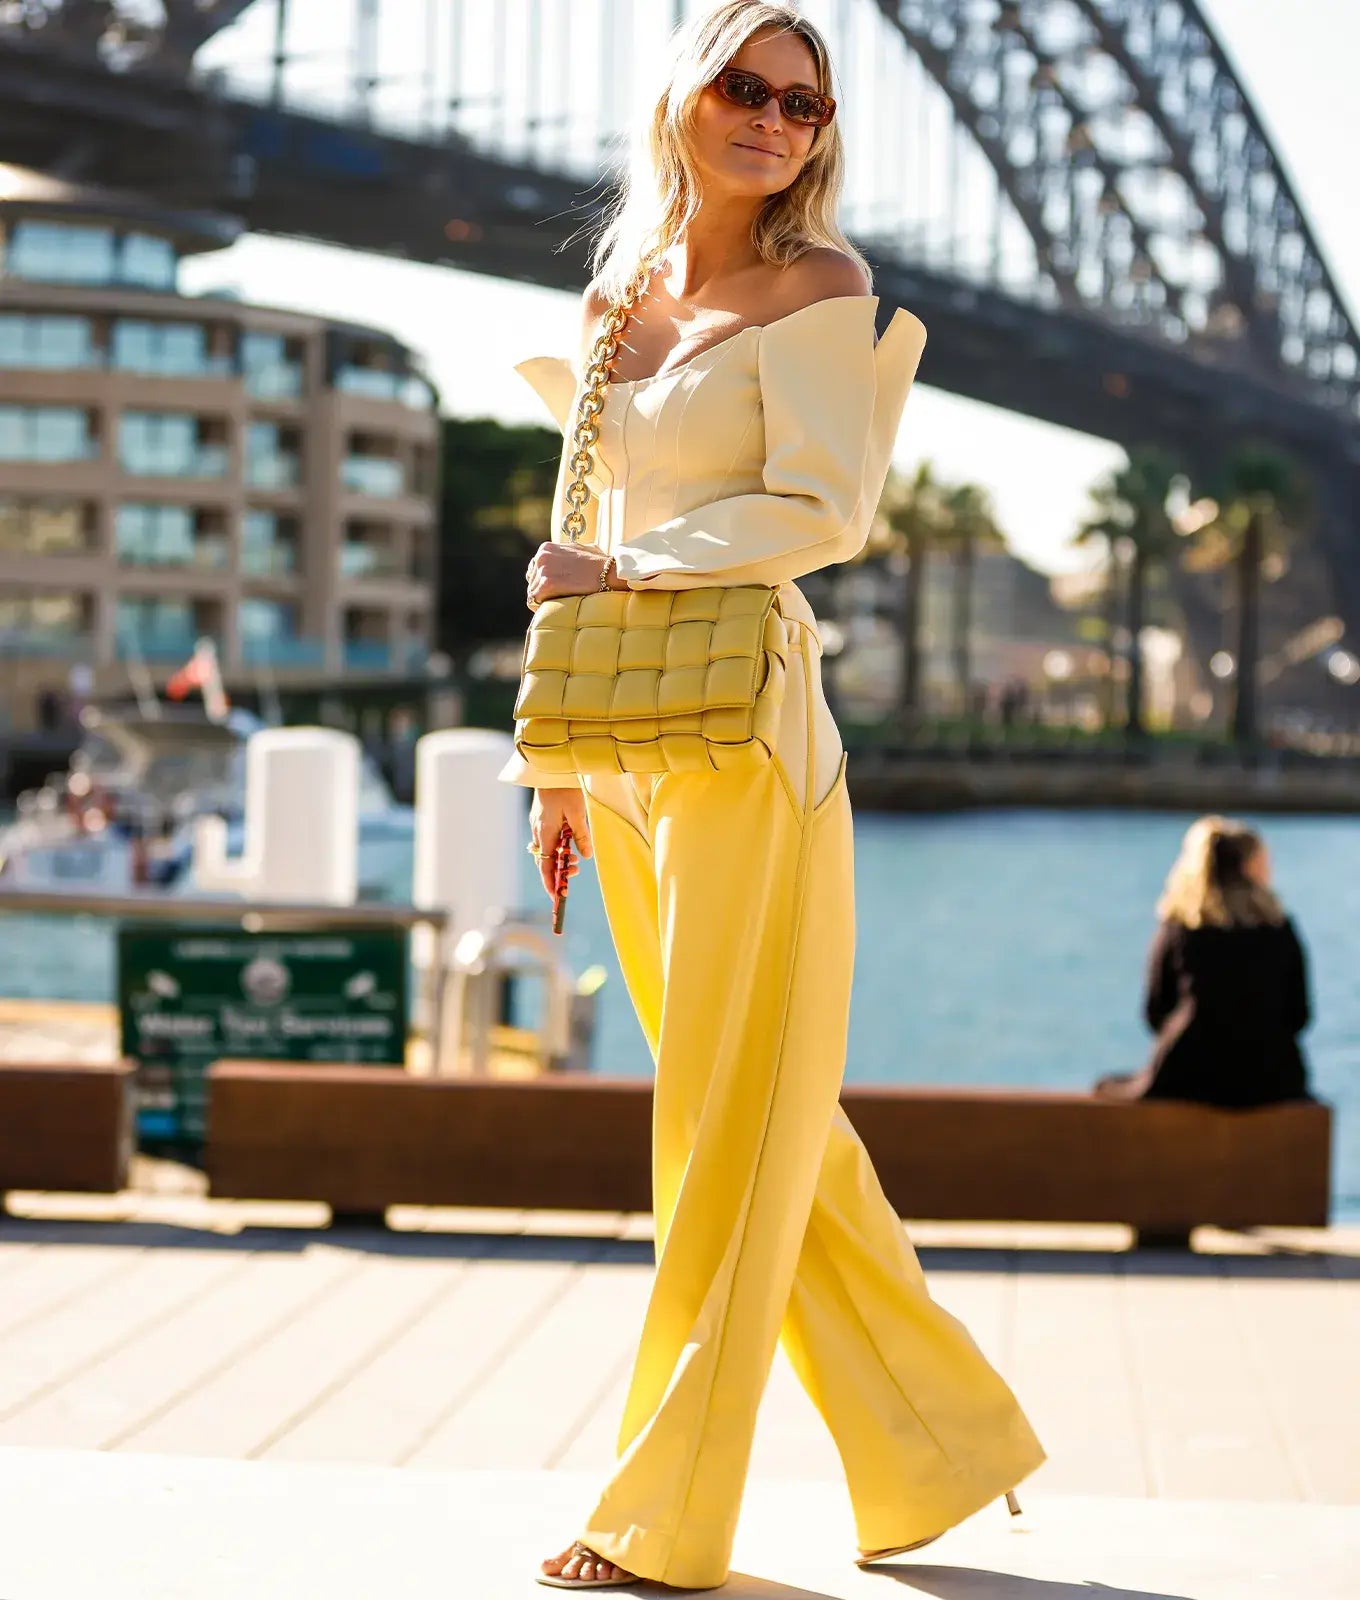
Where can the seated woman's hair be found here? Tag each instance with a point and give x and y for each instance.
(1210, 886)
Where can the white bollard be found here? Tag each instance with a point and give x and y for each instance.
(301, 822)
(470, 830)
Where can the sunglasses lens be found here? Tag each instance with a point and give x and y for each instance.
(743, 89)
(801, 106)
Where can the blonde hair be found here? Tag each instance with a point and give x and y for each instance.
(660, 188)
(1209, 886)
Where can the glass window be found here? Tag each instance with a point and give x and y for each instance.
(411, 389)
(419, 393)
(376, 475)
(155, 626)
(268, 543)
(170, 349)
(166, 445)
(371, 381)
(54, 343)
(271, 371)
(61, 252)
(269, 465)
(67, 252)
(267, 619)
(155, 535)
(262, 441)
(41, 621)
(260, 529)
(147, 262)
(261, 350)
(44, 433)
(43, 527)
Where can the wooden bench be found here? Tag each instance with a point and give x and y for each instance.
(364, 1138)
(66, 1126)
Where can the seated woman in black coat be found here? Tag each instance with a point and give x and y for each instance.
(1227, 983)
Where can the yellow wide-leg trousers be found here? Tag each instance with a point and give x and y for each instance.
(730, 898)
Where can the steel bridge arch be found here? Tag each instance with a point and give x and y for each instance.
(1030, 81)
(1120, 137)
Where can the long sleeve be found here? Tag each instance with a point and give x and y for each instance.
(1162, 986)
(832, 401)
(1297, 1005)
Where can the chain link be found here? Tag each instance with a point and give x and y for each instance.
(586, 432)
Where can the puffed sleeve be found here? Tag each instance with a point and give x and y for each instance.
(832, 400)
(554, 381)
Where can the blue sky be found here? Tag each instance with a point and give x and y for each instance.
(1300, 73)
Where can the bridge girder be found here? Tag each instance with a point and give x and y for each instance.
(91, 27)
(1188, 226)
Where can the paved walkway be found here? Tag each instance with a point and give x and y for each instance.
(99, 1527)
(159, 1323)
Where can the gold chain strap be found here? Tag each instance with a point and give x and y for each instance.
(586, 432)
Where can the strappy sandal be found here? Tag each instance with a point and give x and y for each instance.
(866, 1556)
(579, 1549)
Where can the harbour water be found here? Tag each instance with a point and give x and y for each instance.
(993, 948)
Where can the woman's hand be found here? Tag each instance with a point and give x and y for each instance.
(558, 569)
(549, 809)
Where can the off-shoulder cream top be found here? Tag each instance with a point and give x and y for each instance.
(757, 460)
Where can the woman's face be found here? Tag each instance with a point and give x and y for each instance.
(756, 153)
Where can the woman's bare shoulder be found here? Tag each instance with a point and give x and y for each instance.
(595, 305)
(820, 273)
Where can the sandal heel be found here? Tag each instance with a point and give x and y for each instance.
(864, 1557)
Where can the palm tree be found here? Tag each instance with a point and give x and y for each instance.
(914, 512)
(1262, 497)
(969, 522)
(1129, 514)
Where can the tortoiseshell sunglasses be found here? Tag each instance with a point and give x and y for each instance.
(750, 91)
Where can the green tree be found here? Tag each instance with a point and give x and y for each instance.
(914, 513)
(969, 522)
(495, 510)
(1129, 516)
(1263, 499)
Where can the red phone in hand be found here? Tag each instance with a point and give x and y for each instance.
(562, 859)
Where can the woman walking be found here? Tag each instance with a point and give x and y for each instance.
(744, 435)
(1227, 981)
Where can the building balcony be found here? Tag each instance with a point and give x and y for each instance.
(376, 655)
(273, 472)
(382, 477)
(274, 383)
(368, 655)
(183, 371)
(210, 553)
(371, 561)
(51, 643)
(160, 645)
(208, 461)
(283, 651)
(370, 381)
(54, 455)
(397, 388)
(269, 561)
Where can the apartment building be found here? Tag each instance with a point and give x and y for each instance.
(176, 466)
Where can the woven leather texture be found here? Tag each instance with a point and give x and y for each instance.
(667, 680)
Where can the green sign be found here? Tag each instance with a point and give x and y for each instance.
(187, 999)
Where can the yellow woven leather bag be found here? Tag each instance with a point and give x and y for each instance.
(662, 680)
